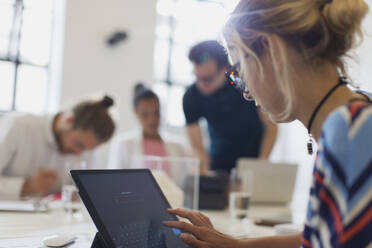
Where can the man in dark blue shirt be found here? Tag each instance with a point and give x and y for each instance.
(236, 128)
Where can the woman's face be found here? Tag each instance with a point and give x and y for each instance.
(148, 114)
(265, 92)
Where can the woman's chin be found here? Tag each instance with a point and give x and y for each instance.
(279, 118)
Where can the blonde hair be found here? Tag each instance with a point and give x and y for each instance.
(320, 31)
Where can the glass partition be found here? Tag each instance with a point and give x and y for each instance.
(178, 177)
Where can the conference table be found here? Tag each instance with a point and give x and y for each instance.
(26, 230)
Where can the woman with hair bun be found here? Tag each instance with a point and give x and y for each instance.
(35, 148)
(147, 140)
(288, 56)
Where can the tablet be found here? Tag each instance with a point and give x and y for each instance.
(127, 207)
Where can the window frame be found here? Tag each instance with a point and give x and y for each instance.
(167, 80)
(14, 57)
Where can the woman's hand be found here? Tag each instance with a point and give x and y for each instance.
(204, 235)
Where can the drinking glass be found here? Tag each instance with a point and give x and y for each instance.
(241, 188)
(70, 196)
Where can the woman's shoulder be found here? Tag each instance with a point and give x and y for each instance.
(177, 144)
(346, 140)
(353, 118)
(127, 137)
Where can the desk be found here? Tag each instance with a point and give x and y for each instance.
(16, 228)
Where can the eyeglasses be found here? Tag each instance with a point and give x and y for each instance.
(235, 80)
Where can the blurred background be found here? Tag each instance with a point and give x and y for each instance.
(53, 53)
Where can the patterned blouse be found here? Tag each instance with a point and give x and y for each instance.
(340, 206)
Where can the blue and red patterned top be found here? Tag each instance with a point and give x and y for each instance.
(340, 205)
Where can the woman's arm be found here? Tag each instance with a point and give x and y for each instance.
(205, 236)
(286, 241)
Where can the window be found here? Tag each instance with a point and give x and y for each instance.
(25, 44)
(180, 25)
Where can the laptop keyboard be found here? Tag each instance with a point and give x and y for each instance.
(140, 235)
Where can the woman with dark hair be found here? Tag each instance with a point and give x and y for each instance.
(146, 141)
(288, 56)
(34, 148)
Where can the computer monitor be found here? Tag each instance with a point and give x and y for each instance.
(271, 182)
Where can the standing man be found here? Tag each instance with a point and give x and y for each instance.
(236, 128)
(34, 149)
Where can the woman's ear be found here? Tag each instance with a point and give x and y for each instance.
(272, 51)
(264, 42)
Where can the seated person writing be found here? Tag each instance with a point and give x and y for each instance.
(33, 148)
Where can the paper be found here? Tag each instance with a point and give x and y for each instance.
(23, 206)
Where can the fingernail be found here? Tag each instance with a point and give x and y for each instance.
(183, 236)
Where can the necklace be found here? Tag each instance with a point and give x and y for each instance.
(341, 81)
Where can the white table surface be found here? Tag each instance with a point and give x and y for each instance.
(27, 229)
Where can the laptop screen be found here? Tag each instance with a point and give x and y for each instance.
(131, 208)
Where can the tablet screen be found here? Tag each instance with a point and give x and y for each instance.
(130, 207)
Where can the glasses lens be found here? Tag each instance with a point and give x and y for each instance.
(234, 79)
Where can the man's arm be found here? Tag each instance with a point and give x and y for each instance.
(269, 136)
(10, 187)
(14, 187)
(196, 140)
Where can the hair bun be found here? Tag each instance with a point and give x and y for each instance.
(345, 16)
(139, 88)
(107, 102)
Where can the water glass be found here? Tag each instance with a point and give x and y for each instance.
(241, 187)
(70, 199)
(70, 196)
(239, 204)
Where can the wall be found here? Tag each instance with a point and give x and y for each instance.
(361, 67)
(90, 66)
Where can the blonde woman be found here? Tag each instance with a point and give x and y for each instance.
(290, 55)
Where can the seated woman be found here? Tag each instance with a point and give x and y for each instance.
(126, 148)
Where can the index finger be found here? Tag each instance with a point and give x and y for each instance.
(192, 216)
(183, 213)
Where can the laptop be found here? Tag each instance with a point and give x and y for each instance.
(271, 182)
(128, 209)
